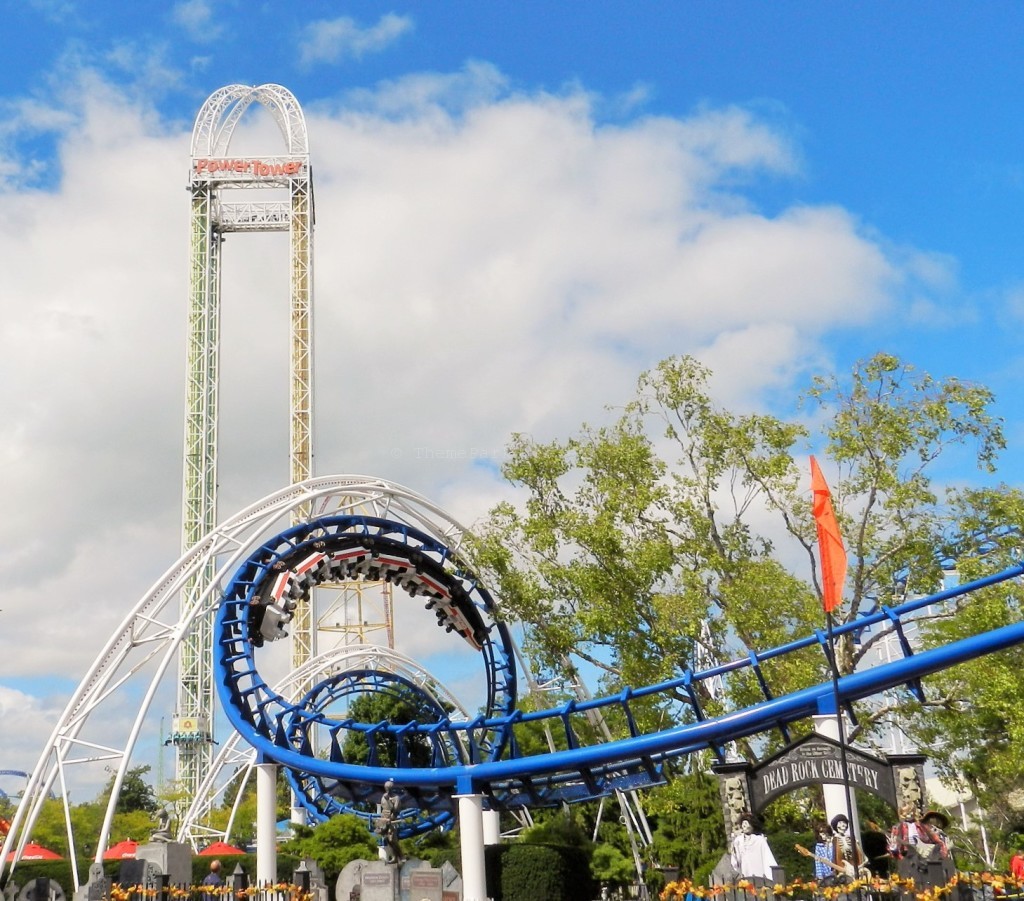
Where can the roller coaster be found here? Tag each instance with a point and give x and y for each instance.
(369, 528)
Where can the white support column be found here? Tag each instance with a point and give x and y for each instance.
(492, 827)
(835, 795)
(266, 823)
(471, 828)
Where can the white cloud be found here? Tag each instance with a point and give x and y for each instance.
(484, 264)
(442, 93)
(196, 19)
(20, 717)
(55, 10)
(335, 40)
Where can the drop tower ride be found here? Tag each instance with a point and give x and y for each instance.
(272, 192)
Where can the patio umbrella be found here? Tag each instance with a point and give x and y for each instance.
(32, 851)
(220, 849)
(122, 850)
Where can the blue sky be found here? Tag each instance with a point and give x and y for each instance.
(520, 206)
(902, 114)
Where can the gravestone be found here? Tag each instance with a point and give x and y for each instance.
(96, 887)
(415, 880)
(317, 883)
(132, 872)
(378, 882)
(422, 883)
(42, 889)
(171, 859)
(451, 883)
(352, 881)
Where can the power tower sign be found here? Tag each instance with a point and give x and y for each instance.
(241, 170)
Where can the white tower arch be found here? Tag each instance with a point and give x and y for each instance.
(215, 175)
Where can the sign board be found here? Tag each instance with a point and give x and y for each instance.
(272, 169)
(814, 760)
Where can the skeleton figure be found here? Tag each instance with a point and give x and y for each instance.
(749, 854)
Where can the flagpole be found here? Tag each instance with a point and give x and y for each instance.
(841, 728)
(833, 573)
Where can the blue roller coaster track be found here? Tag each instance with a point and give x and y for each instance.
(435, 758)
(3, 795)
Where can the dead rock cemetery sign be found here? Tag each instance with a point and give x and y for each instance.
(814, 760)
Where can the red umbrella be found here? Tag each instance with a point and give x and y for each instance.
(32, 851)
(220, 849)
(122, 850)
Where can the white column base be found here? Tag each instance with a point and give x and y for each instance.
(266, 822)
(471, 830)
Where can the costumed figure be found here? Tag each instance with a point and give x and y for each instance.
(750, 855)
(1017, 864)
(825, 867)
(906, 835)
(387, 822)
(846, 855)
(921, 849)
(935, 823)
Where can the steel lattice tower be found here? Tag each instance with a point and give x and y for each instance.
(213, 175)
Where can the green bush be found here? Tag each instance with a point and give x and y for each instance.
(528, 872)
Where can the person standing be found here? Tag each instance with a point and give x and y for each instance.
(212, 881)
(750, 854)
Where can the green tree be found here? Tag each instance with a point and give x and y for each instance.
(690, 831)
(657, 542)
(439, 846)
(334, 844)
(398, 705)
(135, 794)
(50, 829)
(610, 866)
(973, 713)
(561, 827)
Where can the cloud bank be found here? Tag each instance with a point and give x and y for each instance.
(486, 262)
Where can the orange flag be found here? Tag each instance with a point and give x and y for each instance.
(830, 542)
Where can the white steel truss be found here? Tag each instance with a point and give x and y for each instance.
(112, 711)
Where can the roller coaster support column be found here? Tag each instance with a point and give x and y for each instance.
(835, 795)
(492, 827)
(471, 830)
(266, 823)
